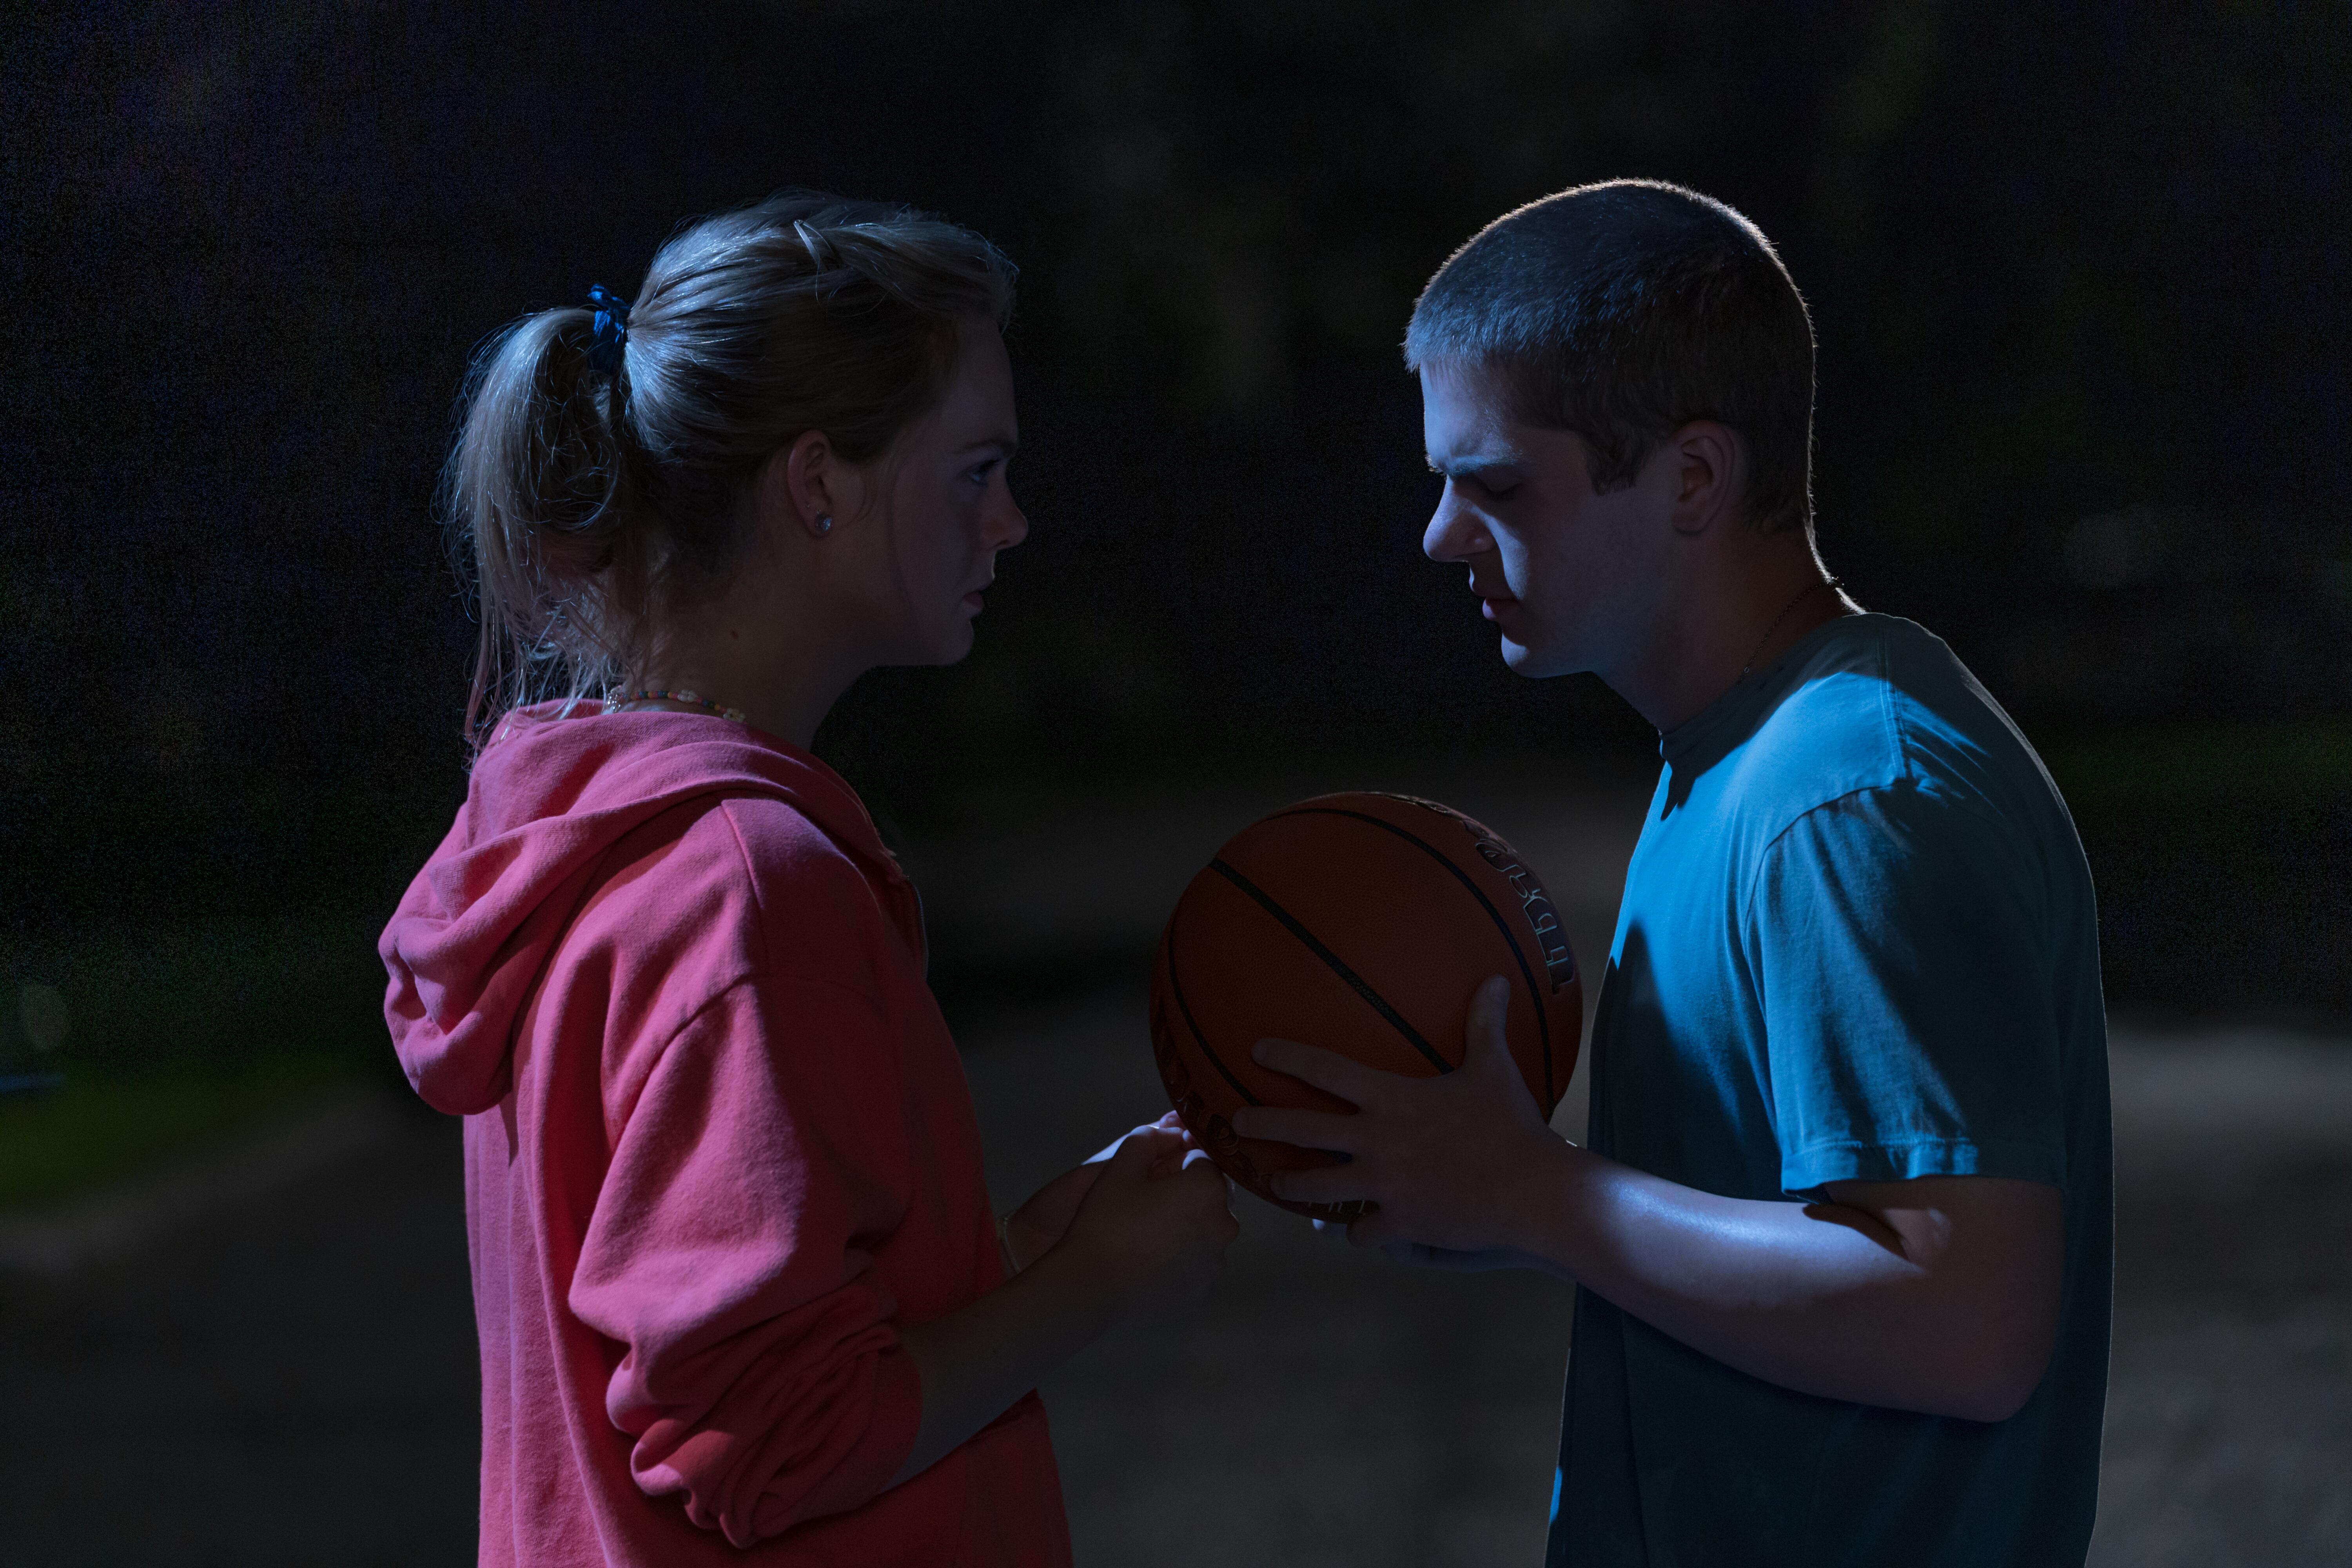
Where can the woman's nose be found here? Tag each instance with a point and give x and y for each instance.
(1008, 524)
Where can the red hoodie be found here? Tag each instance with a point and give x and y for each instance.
(719, 1150)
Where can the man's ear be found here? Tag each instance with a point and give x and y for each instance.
(1707, 470)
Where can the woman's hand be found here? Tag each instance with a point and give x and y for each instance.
(1135, 1235)
(1031, 1230)
(1151, 1228)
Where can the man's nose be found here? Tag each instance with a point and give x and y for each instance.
(1452, 534)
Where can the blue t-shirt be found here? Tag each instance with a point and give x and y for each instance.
(1857, 943)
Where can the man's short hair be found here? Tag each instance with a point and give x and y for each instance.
(1623, 311)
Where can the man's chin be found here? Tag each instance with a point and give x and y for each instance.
(1535, 662)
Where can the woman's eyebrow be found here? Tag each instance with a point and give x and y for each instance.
(1005, 445)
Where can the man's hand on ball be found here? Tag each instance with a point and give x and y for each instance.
(1448, 1162)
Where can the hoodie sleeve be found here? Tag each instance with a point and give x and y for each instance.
(761, 1375)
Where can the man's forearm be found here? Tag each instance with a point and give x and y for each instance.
(1825, 1298)
(1938, 1294)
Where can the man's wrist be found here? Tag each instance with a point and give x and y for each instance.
(1546, 1204)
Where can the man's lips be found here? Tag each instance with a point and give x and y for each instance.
(1493, 605)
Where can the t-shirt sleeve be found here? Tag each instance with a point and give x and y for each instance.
(761, 1375)
(1904, 964)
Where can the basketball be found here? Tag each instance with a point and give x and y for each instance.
(1362, 923)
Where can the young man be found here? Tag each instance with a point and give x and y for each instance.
(1841, 1233)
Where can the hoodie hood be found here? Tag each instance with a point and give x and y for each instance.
(467, 948)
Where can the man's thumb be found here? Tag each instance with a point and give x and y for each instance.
(1488, 1031)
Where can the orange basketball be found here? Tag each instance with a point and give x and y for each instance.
(1362, 923)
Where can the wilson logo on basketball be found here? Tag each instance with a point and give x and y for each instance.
(1559, 964)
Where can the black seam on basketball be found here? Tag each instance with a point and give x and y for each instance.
(1543, 1032)
(1314, 945)
(1176, 989)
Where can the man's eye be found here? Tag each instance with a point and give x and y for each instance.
(1494, 489)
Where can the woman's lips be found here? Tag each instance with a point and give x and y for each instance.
(971, 601)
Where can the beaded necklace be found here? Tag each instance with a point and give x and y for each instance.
(1806, 593)
(615, 704)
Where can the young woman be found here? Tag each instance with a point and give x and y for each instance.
(736, 1276)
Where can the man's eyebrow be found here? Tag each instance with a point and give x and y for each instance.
(1469, 467)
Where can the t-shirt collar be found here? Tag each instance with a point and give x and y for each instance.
(1705, 738)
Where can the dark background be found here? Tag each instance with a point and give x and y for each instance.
(2077, 272)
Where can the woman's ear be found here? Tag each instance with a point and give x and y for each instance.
(808, 483)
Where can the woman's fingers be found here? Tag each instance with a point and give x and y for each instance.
(1142, 1153)
(1214, 1190)
(1196, 1155)
(1169, 1124)
(1156, 1141)
(1064, 1192)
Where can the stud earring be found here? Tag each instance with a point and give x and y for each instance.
(824, 525)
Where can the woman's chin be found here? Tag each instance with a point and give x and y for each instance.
(952, 643)
(944, 641)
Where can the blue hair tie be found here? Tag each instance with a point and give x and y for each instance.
(612, 330)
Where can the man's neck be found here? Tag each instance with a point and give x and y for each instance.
(1715, 637)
